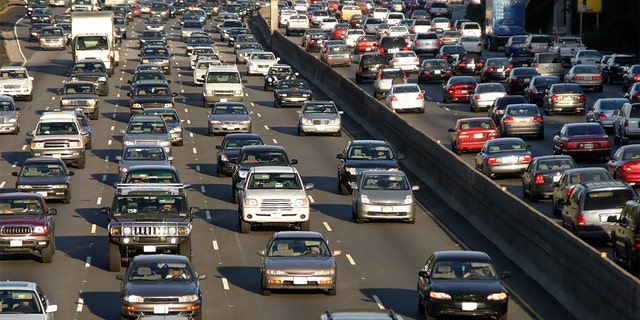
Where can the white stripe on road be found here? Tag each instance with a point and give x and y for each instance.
(326, 226)
(195, 151)
(24, 147)
(87, 263)
(80, 305)
(274, 141)
(106, 159)
(215, 244)
(2, 184)
(104, 177)
(225, 284)
(266, 127)
(311, 199)
(93, 228)
(353, 263)
(99, 201)
(377, 300)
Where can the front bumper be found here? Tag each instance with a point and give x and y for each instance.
(303, 282)
(403, 212)
(321, 128)
(66, 154)
(47, 191)
(8, 127)
(133, 310)
(229, 128)
(458, 308)
(23, 243)
(257, 215)
(292, 101)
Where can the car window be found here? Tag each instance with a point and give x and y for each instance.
(635, 111)
(144, 154)
(585, 130)
(507, 147)
(600, 200)
(274, 181)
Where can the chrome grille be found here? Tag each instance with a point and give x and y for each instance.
(56, 144)
(153, 105)
(12, 86)
(320, 121)
(154, 229)
(16, 230)
(161, 299)
(381, 203)
(88, 78)
(276, 204)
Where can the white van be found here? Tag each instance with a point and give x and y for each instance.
(222, 83)
(470, 29)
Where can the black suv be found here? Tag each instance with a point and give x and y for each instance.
(616, 66)
(92, 70)
(46, 176)
(389, 45)
(360, 155)
(369, 65)
(158, 55)
(253, 156)
(626, 243)
(496, 111)
(150, 94)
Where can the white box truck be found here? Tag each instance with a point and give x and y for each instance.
(94, 37)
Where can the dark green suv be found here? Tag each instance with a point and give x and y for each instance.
(624, 237)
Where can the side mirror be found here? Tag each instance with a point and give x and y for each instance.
(71, 173)
(186, 185)
(174, 94)
(293, 161)
(193, 211)
(52, 211)
(309, 186)
(415, 188)
(15, 174)
(219, 147)
(118, 158)
(423, 274)
(615, 219)
(30, 133)
(262, 253)
(120, 277)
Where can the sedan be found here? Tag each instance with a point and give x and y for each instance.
(405, 97)
(366, 43)
(587, 76)
(503, 156)
(46, 176)
(582, 139)
(9, 115)
(563, 97)
(625, 164)
(495, 69)
(298, 260)
(385, 195)
(534, 93)
(292, 92)
(408, 61)
(569, 178)
(484, 94)
(541, 174)
(522, 58)
(630, 77)
(160, 284)
(229, 149)
(141, 154)
(458, 88)
(228, 117)
(467, 63)
(462, 283)
(320, 117)
(434, 69)
(470, 134)
(338, 55)
(634, 93)
(519, 78)
(496, 111)
(522, 120)
(173, 121)
(472, 44)
(157, 55)
(604, 111)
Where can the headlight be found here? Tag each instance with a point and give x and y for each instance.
(243, 174)
(364, 198)
(439, 295)
(334, 121)
(145, 61)
(282, 94)
(60, 186)
(300, 202)
(165, 143)
(128, 143)
(408, 199)
(188, 298)
(92, 103)
(352, 171)
(176, 129)
(64, 102)
(74, 79)
(24, 186)
(126, 231)
(275, 272)
(75, 144)
(251, 202)
(497, 296)
(37, 144)
(215, 121)
(123, 169)
(325, 272)
(13, 120)
(172, 231)
(224, 157)
(133, 298)
(39, 229)
(306, 121)
(237, 92)
(136, 106)
(245, 122)
(102, 79)
(168, 105)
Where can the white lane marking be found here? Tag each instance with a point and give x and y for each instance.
(259, 115)
(109, 142)
(214, 243)
(113, 128)
(53, 98)
(326, 226)
(191, 134)
(353, 262)
(253, 104)
(274, 141)
(24, 147)
(120, 79)
(189, 122)
(2, 184)
(202, 189)
(225, 284)
(106, 159)
(181, 90)
(118, 95)
(186, 111)
(15, 34)
(195, 151)
(104, 177)
(87, 263)
(208, 214)
(93, 228)
(266, 127)
(311, 199)
(198, 168)
(99, 201)
(378, 302)
(80, 305)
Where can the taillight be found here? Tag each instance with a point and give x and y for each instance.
(380, 75)
(537, 119)
(601, 115)
(509, 67)
(569, 190)
(526, 159)
(438, 43)
(417, 43)
(394, 98)
(507, 120)
(605, 144)
(578, 77)
(514, 80)
(396, 60)
(636, 78)
(637, 241)
(478, 97)
(419, 97)
(579, 62)
(581, 221)
(491, 161)
(626, 124)
(626, 167)
(555, 98)
(539, 179)
(312, 41)
(596, 78)
(580, 97)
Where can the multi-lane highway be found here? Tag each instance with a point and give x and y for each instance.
(379, 264)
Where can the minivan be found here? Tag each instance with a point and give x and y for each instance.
(624, 237)
(548, 64)
(627, 123)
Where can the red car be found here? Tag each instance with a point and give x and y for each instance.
(625, 164)
(469, 134)
(366, 44)
(582, 139)
(458, 88)
(137, 12)
(339, 30)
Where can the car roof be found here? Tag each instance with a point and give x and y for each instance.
(263, 147)
(20, 195)
(160, 257)
(368, 142)
(17, 285)
(274, 169)
(155, 167)
(145, 118)
(297, 234)
(42, 160)
(556, 157)
(462, 255)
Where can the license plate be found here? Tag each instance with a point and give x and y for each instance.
(276, 215)
(321, 128)
(393, 50)
(149, 248)
(464, 91)
(471, 66)
(511, 160)
(469, 306)
(367, 49)
(478, 135)
(527, 80)
(588, 145)
(522, 119)
(42, 193)
(300, 280)
(56, 156)
(15, 243)
(296, 99)
(163, 309)
(549, 68)
(387, 209)
(223, 99)
(556, 178)
(436, 71)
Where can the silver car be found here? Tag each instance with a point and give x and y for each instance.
(604, 111)
(587, 76)
(9, 116)
(141, 154)
(147, 129)
(319, 117)
(386, 78)
(503, 156)
(383, 194)
(173, 121)
(484, 94)
(472, 44)
(16, 295)
(52, 38)
(228, 117)
(428, 42)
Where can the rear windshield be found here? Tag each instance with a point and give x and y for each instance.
(635, 111)
(625, 60)
(549, 58)
(609, 199)
(540, 39)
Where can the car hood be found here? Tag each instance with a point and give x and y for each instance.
(11, 81)
(365, 163)
(230, 117)
(262, 61)
(467, 287)
(290, 91)
(146, 99)
(8, 114)
(88, 74)
(53, 137)
(146, 136)
(130, 163)
(390, 196)
(318, 116)
(292, 264)
(147, 288)
(42, 180)
(24, 219)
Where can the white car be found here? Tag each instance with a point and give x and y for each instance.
(259, 62)
(328, 24)
(397, 31)
(586, 57)
(405, 97)
(380, 13)
(441, 22)
(16, 82)
(352, 36)
(484, 94)
(283, 19)
(408, 61)
(472, 44)
(202, 65)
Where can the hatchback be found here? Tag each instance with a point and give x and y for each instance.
(384, 195)
(587, 76)
(564, 97)
(569, 179)
(538, 180)
(522, 120)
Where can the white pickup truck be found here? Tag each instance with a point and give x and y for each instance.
(297, 24)
(567, 46)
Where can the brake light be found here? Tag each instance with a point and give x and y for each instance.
(599, 77)
(477, 97)
(526, 159)
(438, 43)
(490, 69)
(394, 98)
(569, 190)
(626, 167)
(380, 75)
(416, 60)
(601, 115)
(580, 97)
(539, 179)
(417, 43)
(579, 62)
(507, 120)
(581, 221)
(324, 50)
(509, 67)
(626, 124)
(578, 77)
(419, 97)
(396, 60)
(537, 119)
(636, 78)
(514, 80)
(491, 161)
(463, 136)
(555, 98)
(605, 144)
(637, 241)
(312, 42)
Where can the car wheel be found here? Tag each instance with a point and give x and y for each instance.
(332, 291)
(16, 131)
(115, 258)
(339, 133)
(245, 227)
(81, 162)
(266, 292)
(358, 219)
(47, 254)
(305, 226)
(420, 307)
(503, 317)
(66, 200)
(342, 189)
(95, 115)
(185, 249)
(30, 97)
(301, 132)
(554, 208)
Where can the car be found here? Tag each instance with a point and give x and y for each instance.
(229, 117)
(582, 139)
(427, 42)
(22, 297)
(259, 62)
(616, 66)
(386, 78)
(319, 117)
(41, 15)
(451, 52)
(337, 55)
(120, 24)
(307, 34)
(470, 134)
(383, 195)
(396, 31)
(276, 73)
(141, 75)
(328, 24)
(246, 49)
(541, 174)
(519, 78)
(390, 45)
(52, 37)
(408, 61)
(153, 173)
(384, 314)
(362, 155)
(35, 30)
(368, 66)
(523, 58)
(93, 70)
(592, 208)
(140, 155)
(46, 176)
(564, 97)
(150, 93)
(503, 156)
(434, 69)
(522, 120)
(339, 30)
(405, 97)
(634, 93)
(156, 55)
(587, 76)
(16, 82)
(190, 26)
(458, 88)
(586, 57)
(160, 284)
(548, 64)
(10, 115)
(571, 177)
(173, 121)
(450, 37)
(152, 35)
(234, 33)
(161, 10)
(623, 238)
(537, 43)
(292, 92)
(289, 251)
(495, 69)
(229, 149)
(605, 110)
(472, 44)
(80, 96)
(420, 25)
(155, 23)
(462, 283)
(147, 129)
(630, 77)
(496, 111)
(59, 134)
(624, 165)
(468, 63)
(197, 41)
(484, 94)
(514, 43)
(440, 9)
(538, 86)
(316, 42)
(244, 38)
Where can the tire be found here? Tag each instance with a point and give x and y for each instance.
(185, 249)
(66, 200)
(420, 307)
(266, 292)
(16, 131)
(30, 97)
(95, 115)
(115, 258)
(301, 132)
(305, 226)
(47, 254)
(554, 209)
(339, 133)
(219, 172)
(81, 162)
(342, 189)
(332, 292)
(105, 92)
(245, 227)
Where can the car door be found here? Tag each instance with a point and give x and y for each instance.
(528, 175)
(571, 208)
(623, 229)
(613, 164)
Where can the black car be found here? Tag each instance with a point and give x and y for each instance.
(535, 91)
(47, 176)
(143, 75)
(496, 111)
(315, 41)
(162, 283)
(521, 58)
(467, 63)
(234, 33)
(495, 69)
(292, 92)
(543, 171)
(152, 35)
(369, 65)
(41, 15)
(359, 155)
(276, 73)
(519, 78)
(451, 52)
(253, 156)
(462, 283)
(157, 55)
(150, 94)
(389, 45)
(434, 69)
(92, 70)
(616, 66)
(624, 237)
(630, 77)
(230, 147)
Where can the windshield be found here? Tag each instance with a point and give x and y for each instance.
(384, 182)
(264, 157)
(20, 301)
(20, 206)
(149, 204)
(7, 106)
(370, 152)
(319, 108)
(274, 181)
(223, 77)
(300, 85)
(507, 147)
(134, 153)
(42, 170)
(238, 109)
(237, 144)
(291, 247)
(79, 88)
(480, 270)
(80, 67)
(51, 128)
(137, 127)
(15, 74)
(609, 199)
(151, 91)
(92, 43)
(160, 271)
